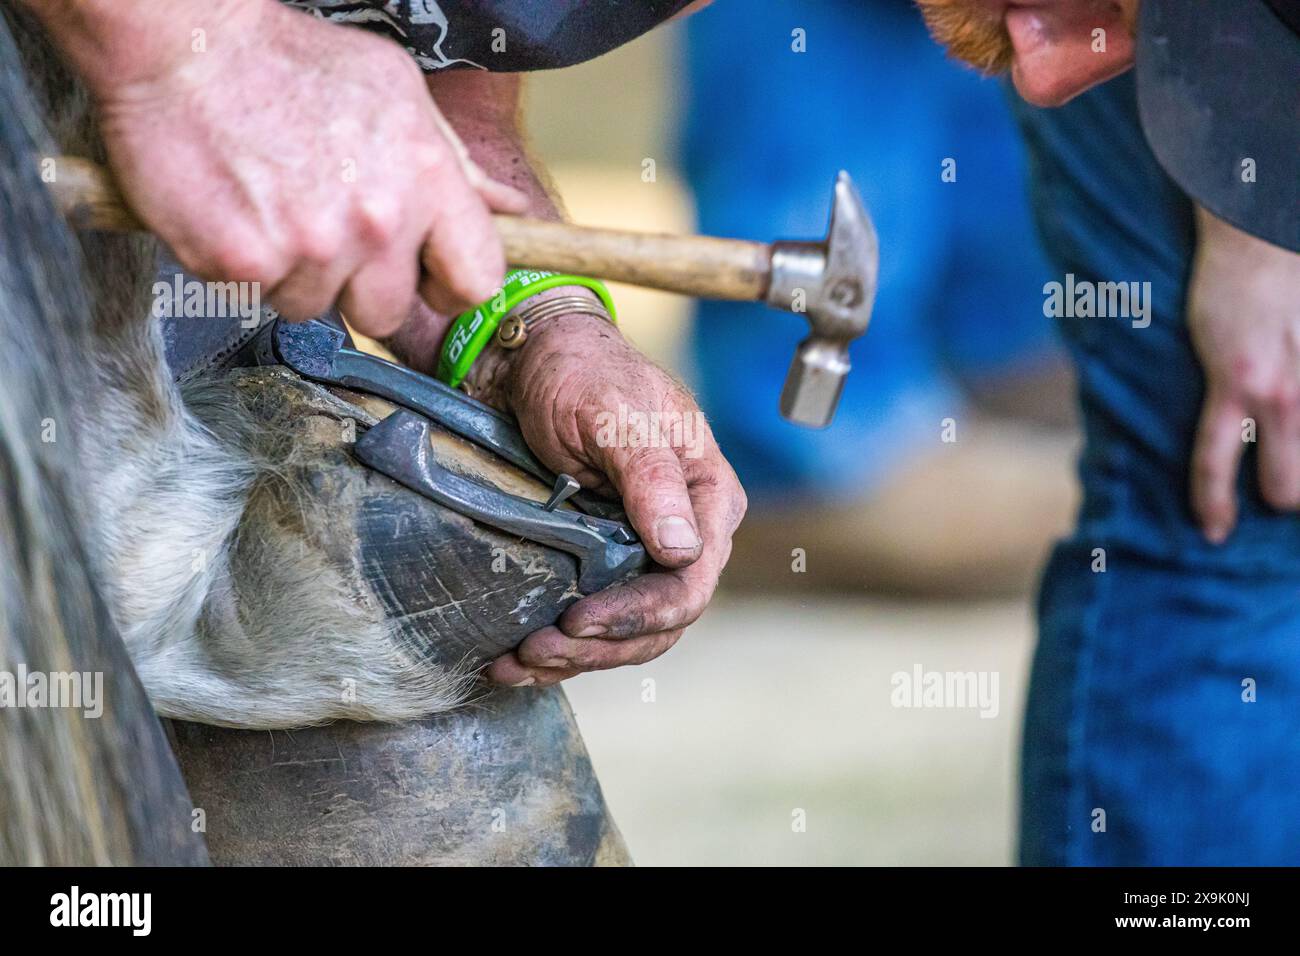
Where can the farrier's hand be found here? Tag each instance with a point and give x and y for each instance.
(305, 156)
(1243, 313)
(684, 500)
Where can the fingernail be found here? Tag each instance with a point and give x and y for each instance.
(1217, 534)
(676, 533)
(555, 662)
(526, 682)
(592, 630)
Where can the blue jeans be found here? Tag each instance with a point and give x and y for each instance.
(1163, 721)
(960, 266)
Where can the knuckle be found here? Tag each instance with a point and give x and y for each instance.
(316, 244)
(244, 260)
(669, 642)
(591, 397)
(375, 324)
(653, 466)
(378, 222)
(389, 296)
(395, 68)
(698, 599)
(433, 163)
(710, 477)
(544, 646)
(1245, 376)
(299, 306)
(657, 647)
(1283, 399)
(433, 160)
(718, 477)
(646, 654)
(739, 507)
(631, 609)
(1263, 389)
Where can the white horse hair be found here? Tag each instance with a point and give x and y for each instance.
(229, 616)
(229, 621)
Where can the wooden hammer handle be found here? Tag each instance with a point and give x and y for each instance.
(88, 197)
(698, 266)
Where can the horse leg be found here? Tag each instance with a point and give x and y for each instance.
(94, 782)
(504, 781)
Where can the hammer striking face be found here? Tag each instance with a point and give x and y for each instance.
(834, 283)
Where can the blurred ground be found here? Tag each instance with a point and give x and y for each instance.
(768, 706)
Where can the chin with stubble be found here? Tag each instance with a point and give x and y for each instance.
(971, 31)
(975, 31)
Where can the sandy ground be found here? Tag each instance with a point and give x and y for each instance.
(770, 706)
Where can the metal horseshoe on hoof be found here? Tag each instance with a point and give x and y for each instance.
(446, 537)
(399, 447)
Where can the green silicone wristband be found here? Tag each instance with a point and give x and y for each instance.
(473, 329)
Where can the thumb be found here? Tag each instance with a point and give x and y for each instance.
(1215, 460)
(657, 503)
(499, 196)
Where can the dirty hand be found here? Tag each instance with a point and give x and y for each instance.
(1243, 313)
(567, 388)
(272, 147)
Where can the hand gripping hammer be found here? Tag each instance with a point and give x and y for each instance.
(831, 282)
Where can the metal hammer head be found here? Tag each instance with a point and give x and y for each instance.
(834, 284)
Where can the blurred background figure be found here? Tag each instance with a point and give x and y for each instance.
(944, 470)
(768, 734)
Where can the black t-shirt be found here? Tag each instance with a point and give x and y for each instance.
(504, 36)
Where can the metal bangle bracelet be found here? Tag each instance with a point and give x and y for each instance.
(514, 328)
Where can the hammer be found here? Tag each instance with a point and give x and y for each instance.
(832, 282)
